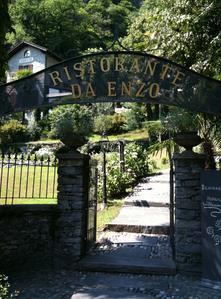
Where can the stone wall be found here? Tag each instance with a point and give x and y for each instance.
(52, 234)
(188, 166)
(27, 234)
(56, 234)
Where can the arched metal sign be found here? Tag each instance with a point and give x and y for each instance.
(113, 77)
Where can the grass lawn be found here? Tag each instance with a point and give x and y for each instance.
(30, 201)
(106, 215)
(161, 160)
(131, 135)
(28, 185)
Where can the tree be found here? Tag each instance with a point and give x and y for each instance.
(5, 25)
(60, 25)
(79, 116)
(134, 116)
(185, 31)
(69, 27)
(107, 17)
(210, 131)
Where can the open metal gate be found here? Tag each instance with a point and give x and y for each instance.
(172, 207)
(92, 206)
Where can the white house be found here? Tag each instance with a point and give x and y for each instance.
(27, 55)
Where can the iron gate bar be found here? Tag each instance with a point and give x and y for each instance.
(13, 188)
(172, 230)
(47, 176)
(55, 161)
(1, 174)
(91, 212)
(33, 183)
(9, 157)
(22, 160)
(27, 177)
(95, 202)
(40, 176)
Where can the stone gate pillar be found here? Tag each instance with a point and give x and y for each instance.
(188, 166)
(73, 184)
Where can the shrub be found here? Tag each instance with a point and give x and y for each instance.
(155, 129)
(136, 166)
(13, 131)
(118, 182)
(179, 119)
(34, 131)
(4, 288)
(109, 123)
(102, 124)
(134, 117)
(22, 73)
(118, 121)
(75, 119)
(136, 160)
(152, 165)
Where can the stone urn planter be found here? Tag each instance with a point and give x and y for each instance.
(188, 139)
(73, 141)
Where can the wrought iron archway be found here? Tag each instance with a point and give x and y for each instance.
(120, 76)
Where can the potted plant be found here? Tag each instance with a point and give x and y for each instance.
(183, 125)
(73, 127)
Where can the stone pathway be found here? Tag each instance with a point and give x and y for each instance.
(146, 209)
(68, 284)
(149, 246)
(137, 240)
(151, 191)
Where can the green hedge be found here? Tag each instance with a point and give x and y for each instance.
(13, 131)
(109, 124)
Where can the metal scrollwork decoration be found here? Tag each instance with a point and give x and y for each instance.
(116, 40)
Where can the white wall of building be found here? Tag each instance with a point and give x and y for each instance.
(37, 59)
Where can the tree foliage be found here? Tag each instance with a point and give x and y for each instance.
(134, 116)
(69, 27)
(186, 31)
(5, 25)
(75, 119)
(13, 131)
(22, 73)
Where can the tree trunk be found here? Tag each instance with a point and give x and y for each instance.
(149, 111)
(156, 111)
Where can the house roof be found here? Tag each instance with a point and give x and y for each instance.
(30, 44)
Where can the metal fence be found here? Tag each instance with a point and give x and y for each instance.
(26, 177)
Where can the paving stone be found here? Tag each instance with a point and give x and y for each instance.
(145, 216)
(84, 285)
